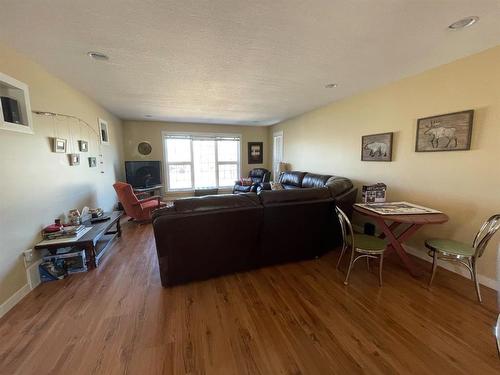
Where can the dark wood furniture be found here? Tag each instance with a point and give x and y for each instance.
(412, 223)
(96, 241)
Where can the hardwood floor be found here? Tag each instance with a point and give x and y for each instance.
(291, 319)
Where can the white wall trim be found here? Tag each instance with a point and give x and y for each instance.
(14, 300)
(462, 271)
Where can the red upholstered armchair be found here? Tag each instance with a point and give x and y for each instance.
(137, 209)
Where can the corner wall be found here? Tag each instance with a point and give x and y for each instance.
(37, 185)
(463, 184)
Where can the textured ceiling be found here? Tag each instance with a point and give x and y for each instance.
(240, 61)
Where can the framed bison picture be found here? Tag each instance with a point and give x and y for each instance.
(376, 147)
(450, 132)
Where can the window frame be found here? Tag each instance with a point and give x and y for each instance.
(193, 135)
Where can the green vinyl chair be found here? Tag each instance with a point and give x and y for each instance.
(453, 251)
(362, 246)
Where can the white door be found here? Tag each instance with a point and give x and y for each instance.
(277, 153)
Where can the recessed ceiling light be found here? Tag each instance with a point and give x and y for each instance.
(98, 56)
(463, 23)
(331, 85)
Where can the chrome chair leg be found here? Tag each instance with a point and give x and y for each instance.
(340, 257)
(368, 263)
(346, 281)
(380, 269)
(434, 266)
(476, 281)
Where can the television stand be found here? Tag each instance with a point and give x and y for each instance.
(149, 190)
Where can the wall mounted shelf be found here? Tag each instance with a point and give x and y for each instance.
(18, 95)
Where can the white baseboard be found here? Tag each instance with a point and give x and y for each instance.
(14, 299)
(456, 268)
(462, 271)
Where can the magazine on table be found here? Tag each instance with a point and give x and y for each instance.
(397, 208)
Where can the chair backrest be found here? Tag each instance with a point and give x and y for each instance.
(488, 229)
(128, 199)
(345, 227)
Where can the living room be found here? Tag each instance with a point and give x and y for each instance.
(262, 123)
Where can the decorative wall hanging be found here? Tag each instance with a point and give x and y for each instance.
(83, 146)
(376, 147)
(74, 159)
(59, 145)
(255, 152)
(450, 132)
(92, 162)
(92, 133)
(144, 148)
(104, 131)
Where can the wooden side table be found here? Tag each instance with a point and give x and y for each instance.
(412, 222)
(95, 242)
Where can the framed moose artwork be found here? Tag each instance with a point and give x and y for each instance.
(450, 132)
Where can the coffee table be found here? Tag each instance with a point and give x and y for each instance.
(412, 223)
(95, 242)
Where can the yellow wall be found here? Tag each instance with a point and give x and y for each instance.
(465, 184)
(37, 185)
(149, 131)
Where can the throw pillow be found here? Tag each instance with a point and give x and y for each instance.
(276, 186)
(246, 181)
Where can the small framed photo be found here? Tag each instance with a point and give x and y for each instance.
(74, 159)
(255, 152)
(376, 147)
(104, 131)
(450, 132)
(92, 162)
(59, 145)
(83, 146)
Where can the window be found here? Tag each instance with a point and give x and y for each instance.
(196, 161)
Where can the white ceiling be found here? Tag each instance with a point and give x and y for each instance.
(240, 61)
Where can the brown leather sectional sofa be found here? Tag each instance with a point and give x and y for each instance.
(199, 238)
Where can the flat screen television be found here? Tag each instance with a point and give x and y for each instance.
(143, 174)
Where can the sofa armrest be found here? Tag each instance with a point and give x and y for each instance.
(346, 200)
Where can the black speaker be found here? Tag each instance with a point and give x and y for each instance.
(10, 109)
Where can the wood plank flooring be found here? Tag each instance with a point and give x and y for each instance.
(291, 319)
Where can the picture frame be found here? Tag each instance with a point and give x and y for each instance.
(448, 132)
(74, 159)
(255, 152)
(377, 147)
(92, 162)
(83, 146)
(59, 145)
(103, 131)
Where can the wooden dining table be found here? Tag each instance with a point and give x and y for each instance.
(399, 228)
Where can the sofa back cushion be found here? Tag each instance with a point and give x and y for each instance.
(292, 179)
(276, 197)
(338, 185)
(216, 202)
(313, 180)
(259, 175)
